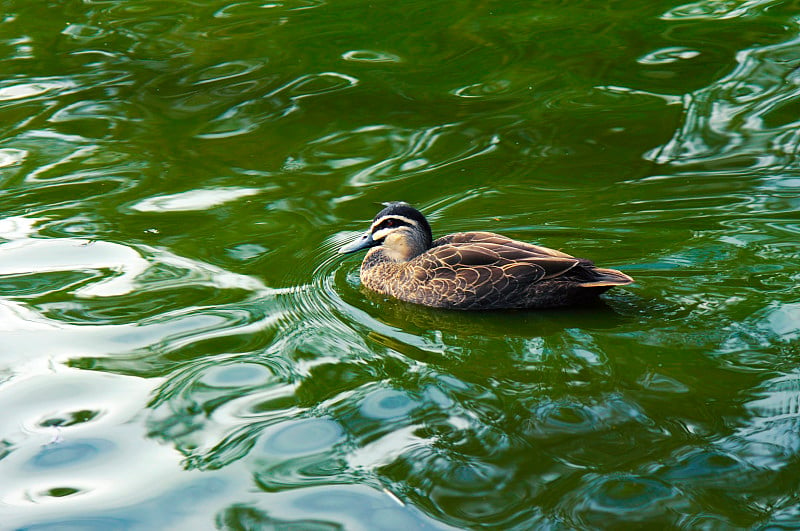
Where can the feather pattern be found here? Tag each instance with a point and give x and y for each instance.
(476, 270)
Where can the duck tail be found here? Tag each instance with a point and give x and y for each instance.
(606, 277)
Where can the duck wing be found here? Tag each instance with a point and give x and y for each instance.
(518, 263)
(487, 270)
(581, 270)
(491, 237)
(480, 272)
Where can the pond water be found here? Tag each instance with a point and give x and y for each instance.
(182, 348)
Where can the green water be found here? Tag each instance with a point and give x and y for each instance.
(182, 348)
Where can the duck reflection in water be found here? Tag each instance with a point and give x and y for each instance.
(471, 270)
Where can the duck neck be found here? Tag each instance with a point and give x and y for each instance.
(402, 248)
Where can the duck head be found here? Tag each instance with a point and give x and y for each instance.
(400, 230)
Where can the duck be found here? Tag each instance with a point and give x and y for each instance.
(471, 270)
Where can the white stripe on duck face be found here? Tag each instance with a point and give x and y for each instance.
(393, 216)
(381, 234)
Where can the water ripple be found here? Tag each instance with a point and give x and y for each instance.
(274, 105)
(381, 153)
(738, 120)
(370, 56)
(199, 199)
(716, 10)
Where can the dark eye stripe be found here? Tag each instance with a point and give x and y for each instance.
(397, 221)
(392, 223)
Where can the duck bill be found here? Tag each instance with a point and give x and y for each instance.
(364, 242)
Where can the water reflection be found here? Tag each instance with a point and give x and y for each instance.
(370, 56)
(502, 324)
(182, 348)
(329, 508)
(743, 119)
(713, 10)
(379, 153)
(275, 104)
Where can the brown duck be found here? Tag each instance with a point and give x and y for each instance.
(471, 270)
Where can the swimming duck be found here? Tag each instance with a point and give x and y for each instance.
(471, 270)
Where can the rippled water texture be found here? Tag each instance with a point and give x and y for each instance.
(182, 348)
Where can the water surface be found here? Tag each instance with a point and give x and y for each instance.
(183, 348)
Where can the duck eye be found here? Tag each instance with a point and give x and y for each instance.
(389, 223)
